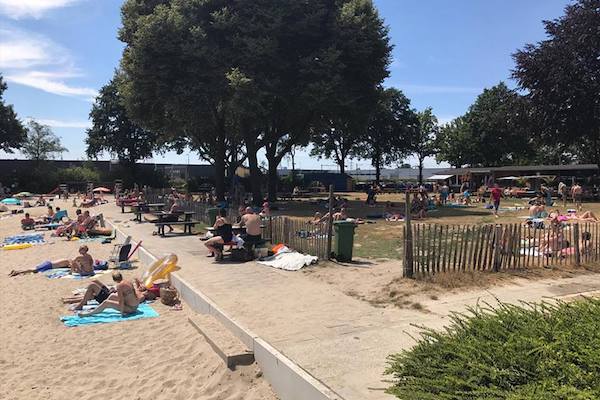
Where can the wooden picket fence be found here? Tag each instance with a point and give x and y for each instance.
(491, 247)
(299, 235)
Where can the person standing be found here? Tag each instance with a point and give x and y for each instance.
(496, 195)
(444, 190)
(562, 192)
(577, 194)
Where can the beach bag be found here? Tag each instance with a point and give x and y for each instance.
(241, 255)
(168, 296)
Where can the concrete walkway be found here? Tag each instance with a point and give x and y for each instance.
(338, 339)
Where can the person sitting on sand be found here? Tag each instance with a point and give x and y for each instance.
(40, 201)
(537, 210)
(124, 300)
(83, 264)
(49, 216)
(96, 290)
(342, 215)
(27, 223)
(223, 234)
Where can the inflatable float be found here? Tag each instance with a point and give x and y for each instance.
(160, 269)
(17, 246)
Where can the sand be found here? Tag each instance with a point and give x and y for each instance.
(157, 358)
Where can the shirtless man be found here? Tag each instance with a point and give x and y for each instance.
(251, 222)
(84, 263)
(125, 300)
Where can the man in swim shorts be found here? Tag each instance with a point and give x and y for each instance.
(83, 264)
(95, 290)
(125, 300)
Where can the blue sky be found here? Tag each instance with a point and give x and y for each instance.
(55, 54)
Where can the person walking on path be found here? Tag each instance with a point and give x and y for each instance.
(496, 195)
(562, 192)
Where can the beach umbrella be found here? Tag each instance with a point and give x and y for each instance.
(101, 190)
(11, 201)
(23, 194)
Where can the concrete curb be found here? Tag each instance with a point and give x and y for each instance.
(288, 380)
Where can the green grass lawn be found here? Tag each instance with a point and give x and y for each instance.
(514, 353)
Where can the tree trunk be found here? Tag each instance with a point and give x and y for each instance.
(377, 165)
(220, 170)
(273, 160)
(255, 173)
(420, 171)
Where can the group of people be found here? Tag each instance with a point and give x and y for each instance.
(124, 297)
(249, 221)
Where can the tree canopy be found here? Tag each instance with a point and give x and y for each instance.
(494, 131)
(423, 140)
(214, 73)
(113, 132)
(561, 77)
(12, 131)
(390, 129)
(41, 143)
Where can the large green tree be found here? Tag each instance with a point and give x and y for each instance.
(495, 131)
(561, 76)
(12, 131)
(339, 141)
(216, 72)
(423, 140)
(41, 143)
(113, 132)
(391, 127)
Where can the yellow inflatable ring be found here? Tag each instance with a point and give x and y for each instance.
(160, 269)
(17, 246)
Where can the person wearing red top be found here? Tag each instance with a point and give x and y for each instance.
(496, 196)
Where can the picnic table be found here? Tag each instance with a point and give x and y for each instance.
(139, 207)
(187, 222)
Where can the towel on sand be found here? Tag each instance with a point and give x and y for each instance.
(108, 316)
(59, 273)
(289, 261)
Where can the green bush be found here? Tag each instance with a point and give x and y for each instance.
(507, 352)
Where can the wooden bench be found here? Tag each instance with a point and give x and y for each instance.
(187, 226)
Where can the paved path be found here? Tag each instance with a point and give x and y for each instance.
(340, 340)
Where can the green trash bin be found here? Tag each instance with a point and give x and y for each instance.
(343, 240)
(212, 215)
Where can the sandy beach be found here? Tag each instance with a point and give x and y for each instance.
(157, 358)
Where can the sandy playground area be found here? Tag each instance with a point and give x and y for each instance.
(155, 358)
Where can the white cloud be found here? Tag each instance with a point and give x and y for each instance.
(36, 61)
(444, 119)
(49, 82)
(65, 124)
(18, 9)
(428, 89)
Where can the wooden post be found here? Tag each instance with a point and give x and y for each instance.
(576, 235)
(330, 223)
(408, 243)
(497, 247)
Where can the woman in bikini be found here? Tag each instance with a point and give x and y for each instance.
(223, 234)
(125, 300)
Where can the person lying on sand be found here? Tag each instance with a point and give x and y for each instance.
(125, 300)
(316, 219)
(83, 264)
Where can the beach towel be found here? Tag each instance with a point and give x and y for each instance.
(109, 316)
(32, 238)
(288, 260)
(60, 273)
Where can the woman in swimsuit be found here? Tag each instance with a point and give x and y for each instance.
(223, 234)
(125, 300)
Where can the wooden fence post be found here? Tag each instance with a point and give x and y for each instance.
(497, 247)
(330, 223)
(576, 235)
(408, 243)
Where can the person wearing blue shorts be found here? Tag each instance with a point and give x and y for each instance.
(45, 266)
